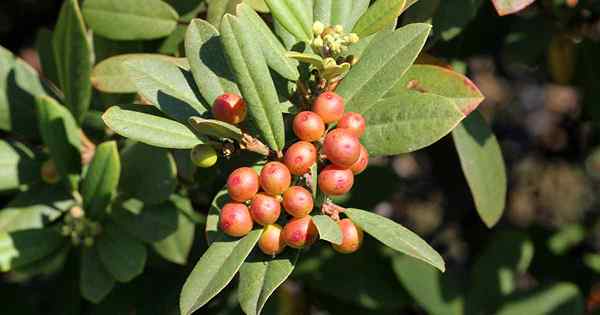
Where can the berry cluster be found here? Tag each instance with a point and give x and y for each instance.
(259, 198)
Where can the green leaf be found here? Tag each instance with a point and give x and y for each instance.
(18, 166)
(444, 82)
(272, 49)
(110, 75)
(74, 58)
(494, 273)
(378, 16)
(446, 24)
(592, 261)
(94, 281)
(204, 51)
(381, 66)
(212, 219)
(150, 129)
(149, 173)
(149, 223)
(294, 16)
(215, 128)
(556, 299)
(260, 276)
(43, 45)
(215, 269)
(333, 12)
(254, 80)
(122, 255)
(328, 229)
(19, 86)
(505, 7)
(309, 58)
(218, 8)
(24, 247)
(61, 134)
(101, 179)
(437, 293)
(396, 236)
(258, 5)
(564, 239)
(483, 166)
(130, 19)
(176, 247)
(407, 122)
(167, 86)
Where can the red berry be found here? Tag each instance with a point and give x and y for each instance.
(329, 106)
(271, 242)
(335, 180)
(229, 108)
(242, 184)
(275, 178)
(299, 157)
(308, 126)
(353, 122)
(363, 161)
(300, 232)
(235, 219)
(341, 147)
(265, 209)
(352, 237)
(297, 201)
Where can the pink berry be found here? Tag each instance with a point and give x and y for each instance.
(229, 108)
(335, 181)
(299, 157)
(342, 147)
(362, 163)
(329, 106)
(275, 178)
(353, 122)
(308, 126)
(242, 184)
(297, 201)
(265, 209)
(235, 219)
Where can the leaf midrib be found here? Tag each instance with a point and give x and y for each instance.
(153, 127)
(128, 15)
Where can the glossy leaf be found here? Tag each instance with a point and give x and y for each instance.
(101, 179)
(18, 166)
(19, 86)
(150, 129)
(43, 45)
(378, 16)
(382, 65)
(272, 49)
(24, 247)
(61, 134)
(166, 86)
(176, 247)
(333, 12)
(130, 19)
(328, 229)
(483, 166)
(215, 128)
(396, 236)
(261, 275)
(212, 219)
(294, 16)
(444, 82)
(505, 7)
(557, 299)
(437, 293)
(74, 58)
(122, 255)
(95, 283)
(255, 82)
(494, 273)
(149, 223)
(215, 269)
(151, 185)
(109, 75)
(204, 51)
(420, 118)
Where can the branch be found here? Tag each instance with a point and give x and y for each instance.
(252, 144)
(332, 210)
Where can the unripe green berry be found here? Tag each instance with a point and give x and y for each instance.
(204, 155)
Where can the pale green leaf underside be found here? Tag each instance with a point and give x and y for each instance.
(328, 229)
(378, 16)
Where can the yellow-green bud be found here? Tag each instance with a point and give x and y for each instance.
(353, 38)
(203, 155)
(318, 28)
(317, 42)
(88, 241)
(338, 29)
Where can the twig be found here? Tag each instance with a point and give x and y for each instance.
(332, 210)
(254, 145)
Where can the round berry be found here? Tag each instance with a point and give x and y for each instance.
(363, 161)
(203, 155)
(242, 184)
(265, 209)
(308, 126)
(275, 178)
(329, 106)
(300, 232)
(229, 108)
(353, 122)
(235, 219)
(297, 201)
(352, 237)
(335, 181)
(299, 157)
(271, 242)
(49, 172)
(341, 147)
